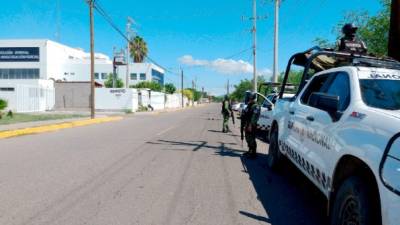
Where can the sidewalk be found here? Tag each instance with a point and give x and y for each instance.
(55, 126)
(38, 123)
(25, 128)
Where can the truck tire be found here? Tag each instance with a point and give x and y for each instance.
(355, 203)
(274, 155)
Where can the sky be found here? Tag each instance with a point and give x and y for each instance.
(209, 39)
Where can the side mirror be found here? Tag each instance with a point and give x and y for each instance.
(268, 105)
(325, 102)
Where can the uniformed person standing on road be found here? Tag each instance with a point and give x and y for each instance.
(249, 120)
(226, 113)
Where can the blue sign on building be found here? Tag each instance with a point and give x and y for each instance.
(19, 54)
(157, 76)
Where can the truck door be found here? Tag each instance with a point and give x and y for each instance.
(319, 134)
(298, 126)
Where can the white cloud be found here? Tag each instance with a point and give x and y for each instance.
(188, 60)
(223, 66)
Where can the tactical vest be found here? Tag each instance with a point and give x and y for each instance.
(352, 46)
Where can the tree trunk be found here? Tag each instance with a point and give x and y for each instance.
(394, 33)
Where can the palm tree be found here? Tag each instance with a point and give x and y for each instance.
(138, 49)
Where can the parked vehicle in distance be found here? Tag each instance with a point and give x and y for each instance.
(236, 106)
(241, 108)
(265, 120)
(341, 130)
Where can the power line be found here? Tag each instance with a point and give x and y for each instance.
(239, 53)
(105, 15)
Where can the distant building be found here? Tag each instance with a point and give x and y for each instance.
(30, 68)
(32, 60)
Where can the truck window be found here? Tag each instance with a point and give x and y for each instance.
(340, 86)
(383, 94)
(316, 85)
(334, 84)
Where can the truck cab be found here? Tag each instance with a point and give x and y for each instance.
(341, 131)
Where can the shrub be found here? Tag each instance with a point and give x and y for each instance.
(152, 85)
(143, 108)
(3, 104)
(109, 82)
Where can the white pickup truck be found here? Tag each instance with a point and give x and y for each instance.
(342, 130)
(265, 120)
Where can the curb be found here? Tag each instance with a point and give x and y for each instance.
(55, 127)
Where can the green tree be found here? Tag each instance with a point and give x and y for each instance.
(152, 85)
(196, 94)
(373, 30)
(324, 43)
(240, 89)
(247, 85)
(138, 49)
(294, 78)
(169, 88)
(187, 93)
(109, 82)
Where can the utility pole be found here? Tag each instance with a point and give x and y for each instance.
(92, 85)
(394, 33)
(227, 88)
(276, 41)
(114, 68)
(254, 30)
(182, 86)
(128, 50)
(254, 18)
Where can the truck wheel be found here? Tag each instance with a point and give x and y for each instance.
(274, 156)
(355, 204)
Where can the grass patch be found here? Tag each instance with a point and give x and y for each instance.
(22, 118)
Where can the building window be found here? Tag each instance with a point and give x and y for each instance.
(96, 76)
(19, 74)
(157, 76)
(133, 76)
(104, 76)
(142, 76)
(7, 89)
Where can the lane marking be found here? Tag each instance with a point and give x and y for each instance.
(55, 127)
(166, 130)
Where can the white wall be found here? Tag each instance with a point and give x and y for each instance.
(117, 99)
(173, 101)
(157, 100)
(29, 96)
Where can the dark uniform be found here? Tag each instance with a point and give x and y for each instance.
(249, 120)
(226, 113)
(349, 42)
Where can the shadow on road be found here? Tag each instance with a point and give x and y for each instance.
(288, 197)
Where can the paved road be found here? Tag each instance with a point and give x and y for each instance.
(172, 168)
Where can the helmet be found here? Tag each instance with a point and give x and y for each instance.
(249, 96)
(349, 29)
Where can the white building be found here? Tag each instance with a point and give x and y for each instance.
(45, 60)
(38, 63)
